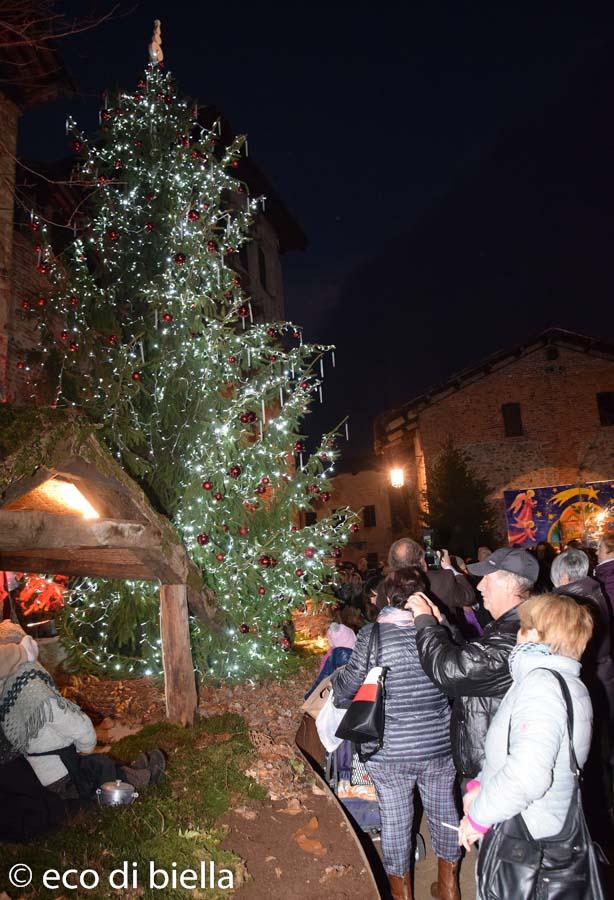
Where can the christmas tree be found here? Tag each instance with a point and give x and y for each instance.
(148, 330)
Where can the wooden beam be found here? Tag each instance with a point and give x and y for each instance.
(103, 568)
(179, 678)
(33, 529)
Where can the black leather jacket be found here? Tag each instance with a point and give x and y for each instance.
(475, 674)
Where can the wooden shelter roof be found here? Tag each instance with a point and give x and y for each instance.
(43, 530)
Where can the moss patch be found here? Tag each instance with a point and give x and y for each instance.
(171, 823)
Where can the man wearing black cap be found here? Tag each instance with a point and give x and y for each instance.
(476, 673)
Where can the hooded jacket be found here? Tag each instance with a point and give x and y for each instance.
(475, 674)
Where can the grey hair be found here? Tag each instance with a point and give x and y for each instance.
(573, 562)
(522, 585)
(405, 552)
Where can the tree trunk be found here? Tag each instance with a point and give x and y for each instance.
(179, 679)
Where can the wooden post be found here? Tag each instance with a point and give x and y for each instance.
(179, 679)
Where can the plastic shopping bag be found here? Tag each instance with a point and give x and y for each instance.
(327, 722)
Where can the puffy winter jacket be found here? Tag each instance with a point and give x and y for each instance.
(534, 777)
(476, 674)
(597, 660)
(417, 717)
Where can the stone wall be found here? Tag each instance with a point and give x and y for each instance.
(9, 115)
(563, 441)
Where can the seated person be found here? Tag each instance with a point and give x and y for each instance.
(52, 733)
(341, 641)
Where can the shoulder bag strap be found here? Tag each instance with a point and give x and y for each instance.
(573, 761)
(373, 648)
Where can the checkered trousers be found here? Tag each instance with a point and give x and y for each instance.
(394, 784)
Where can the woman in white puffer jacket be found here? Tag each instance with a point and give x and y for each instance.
(526, 768)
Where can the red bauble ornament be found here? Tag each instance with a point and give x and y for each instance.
(117, 164)
(261, 489)
(336, 553)
(193, 215)
(243, 530)
(299, 447)
(113, 340)
(21, 365)
(180, 258)
(243, 311)
(232, 359)
(234, 471)
(41, 301)
(105, 115)
(265, 478)
(205, 206)
(195, 154)
(244, 418)
(325, 496)
(262, 590)
(141, 83)
(355, 528)
(73, 301)
(34, 226)
(73, 347)
(294, 529)
(112, 234)
(136, 376)
(272, 358)
(305, 385)
(207, 485)
(299, 573)
(271, 332)
(149, 226)
(243, 628)
(202, 539)
(220, 557)
(138, 145)
(226, 528)
(167, 317)
(149, 198)
(231, 250)
(25, 304)
(102, 180)
(211, 246)
(43, 268)
(309, 552)
(77, 146)
(312, 489)
(236, 281)
(235, 164)
(296, 334)
(218, 496)
(64, 335)
(265, 561)
(285, 644)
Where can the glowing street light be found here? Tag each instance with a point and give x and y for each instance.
(397, 477)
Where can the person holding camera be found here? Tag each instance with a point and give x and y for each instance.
(476, 673)
(449, 588)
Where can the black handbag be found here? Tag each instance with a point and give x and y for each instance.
(563, 867)
(363, 722)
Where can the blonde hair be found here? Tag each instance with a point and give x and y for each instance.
(560, 621)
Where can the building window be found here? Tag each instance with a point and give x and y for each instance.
(512, 419)
(262, 266)
(368, 517)
(311, 517)
(605, 405)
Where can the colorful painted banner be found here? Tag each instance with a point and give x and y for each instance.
(559, 514)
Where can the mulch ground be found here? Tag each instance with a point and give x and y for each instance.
(296, 843)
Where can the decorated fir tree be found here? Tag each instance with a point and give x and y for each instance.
(148, 330)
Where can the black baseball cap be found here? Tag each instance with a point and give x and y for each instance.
(508, 559)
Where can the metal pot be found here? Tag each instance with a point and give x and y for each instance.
(116, 793)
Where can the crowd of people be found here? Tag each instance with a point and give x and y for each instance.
(479, 659)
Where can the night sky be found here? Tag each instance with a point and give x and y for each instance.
(451, 166)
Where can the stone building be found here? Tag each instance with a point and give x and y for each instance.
(538, 415)
(28, 76)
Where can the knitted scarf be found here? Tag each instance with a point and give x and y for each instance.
(26, 704)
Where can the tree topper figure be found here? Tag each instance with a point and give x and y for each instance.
(156, 54)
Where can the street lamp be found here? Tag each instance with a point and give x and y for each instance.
(397, 477)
